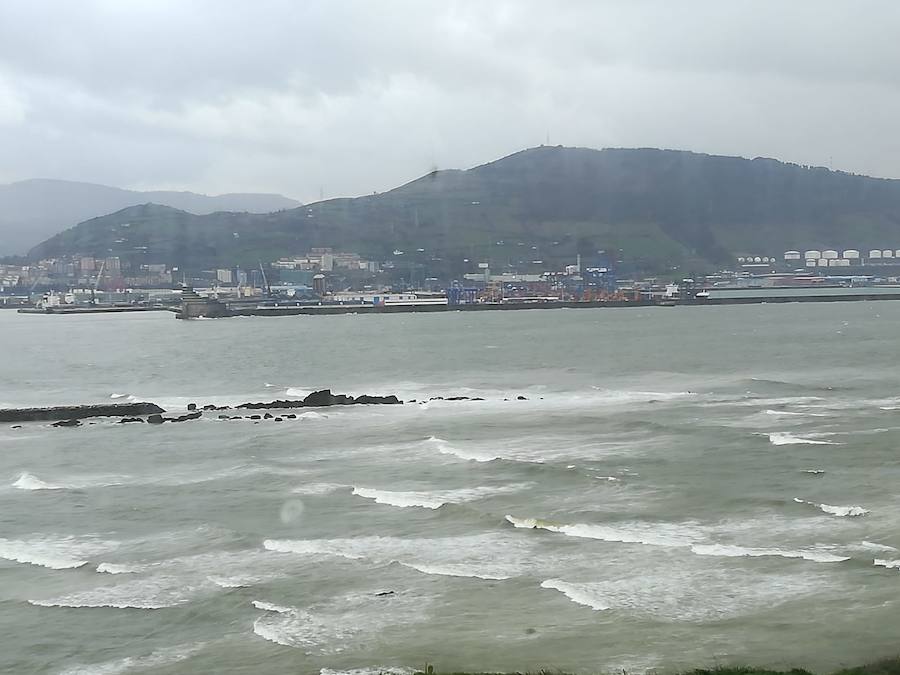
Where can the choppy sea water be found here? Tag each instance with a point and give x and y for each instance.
(682, 486)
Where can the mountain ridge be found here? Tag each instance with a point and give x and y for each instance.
(652, 209)
(34, 209)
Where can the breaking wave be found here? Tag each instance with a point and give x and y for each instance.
(28, 481)
(157, 659)
(433, 500)
(56, 554)
(583, 594)
(785, 438)
(732, 551)
(445, 448)
(269, 607)
(841, 511)
(651, 534)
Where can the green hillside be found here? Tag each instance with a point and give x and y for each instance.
(650, 208)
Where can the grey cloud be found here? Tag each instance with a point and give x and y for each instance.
(355, 96)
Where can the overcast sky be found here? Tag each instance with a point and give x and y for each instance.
(347, 98)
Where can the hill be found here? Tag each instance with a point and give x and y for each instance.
(650, 208)
(32, 210)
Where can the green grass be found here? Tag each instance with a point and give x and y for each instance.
(889, 666)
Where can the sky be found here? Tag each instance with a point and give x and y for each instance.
(346, 97)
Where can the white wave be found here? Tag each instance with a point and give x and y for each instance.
(231, 582)
(484, 556)
(338, 623)
(583, 594)
(874, 546)
(785, 438)
(445, 448)
(611, 479)
(28, 481)
(434, 500)
(156, 659)
(53, 553)
(269, 607)
(458, 570)
(156, 592)
(318, 488)
(890, 564)
(297, 392)
(371, 670)
(113, 568)
(311, 415)
(814, 471)
(651, 534)
(732, 551)
(784, 413)
(844, 510)
(114, 395)
(841, 511)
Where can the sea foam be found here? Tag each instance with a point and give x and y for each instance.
(434, 500)
(732, 551)
(651, 534)
(841, 511)
(583, 594)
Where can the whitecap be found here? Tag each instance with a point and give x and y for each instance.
(890, 564)
(270, 607)
(652, 534)
(874, 546)
(318, 488)
(155, 592)
(434, 500)
(583, 594)
(159, 658)
(57, 554)
(483, 556)
(372, 670)
(733, 551)
(446, 448)
(114, 395)
(841, 511)
(785, 438)
(28, 481)
(113, 568)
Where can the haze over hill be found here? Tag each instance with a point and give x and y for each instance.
(650, 208)
(32, 210)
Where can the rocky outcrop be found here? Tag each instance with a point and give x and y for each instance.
(78, 412)
(324, 398)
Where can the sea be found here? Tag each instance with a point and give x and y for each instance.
(638, 489)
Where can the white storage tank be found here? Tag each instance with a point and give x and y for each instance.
(812, 255)
(757, 259)
(810, 263)
(741, 260)
(887, 253)
(830, 254)
(897, 253)
(838, 263)
(823, 262)
(792, 255)
(875, 254)
(851, 254)
(766, 259)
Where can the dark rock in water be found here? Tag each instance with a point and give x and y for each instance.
(224, 417)
(78, 412)
(272, 404)
(126, 420)
(209, 406)
(67, 423)
(383, 594)
(291, 416)
(155, 419)
(322, 399)
(16, 426)
(268, 416)
(255, 417)
(477, 398)
(365, 399)
(278, 419)
(521, 398)
(192, 406)
(184, 418)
